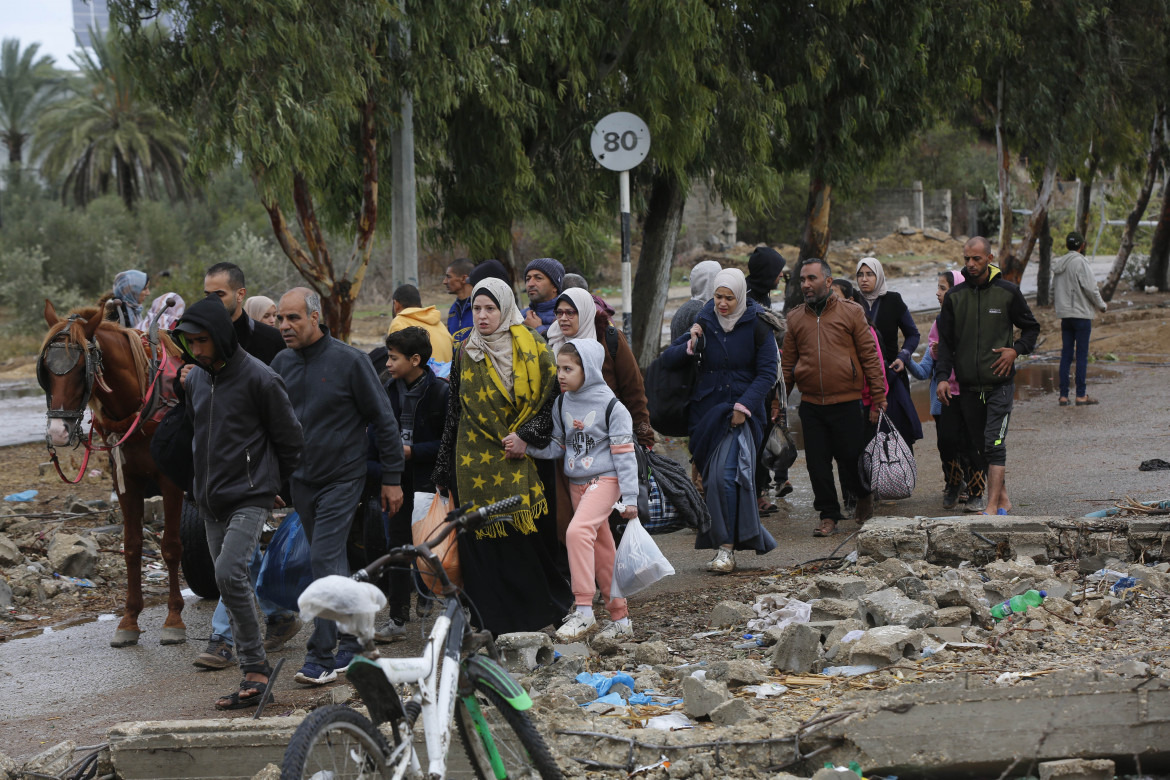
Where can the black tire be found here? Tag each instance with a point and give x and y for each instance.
(198, 567)
(520, 746)
(339, 740)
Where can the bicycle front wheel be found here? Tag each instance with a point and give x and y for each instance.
(520, 749)
(335, 743)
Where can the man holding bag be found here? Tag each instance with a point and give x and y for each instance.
(247, 442)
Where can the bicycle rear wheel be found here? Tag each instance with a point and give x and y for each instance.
(521, 749)
(335, 743)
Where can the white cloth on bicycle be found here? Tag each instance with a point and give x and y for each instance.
(353, 605)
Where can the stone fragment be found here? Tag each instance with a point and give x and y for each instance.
(573, 650)
(732, 711)
(1059, 606)
(1133, 668)
(702, 696)
(885, 645)
(524, 651)
(843, 628)
(808, 592)
(8, 768)
(1054, 588)
(10, 554)
(833, 609)
(798, 646)
(838, 586)
(621, 689)
(606, 645)
(1152, 577)
(890, 570)
(52, 762)
(269, 772)
(825, 627)
(5, 600)
(730, 613)
(950, 634)
(580, 692)
(952, 616)
(652, 653)
(737, 672)
(72, 555)
(891, 607)
(913, 588)
(1077, 769)
(1099, 608)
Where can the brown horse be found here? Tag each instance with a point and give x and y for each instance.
(87, 361)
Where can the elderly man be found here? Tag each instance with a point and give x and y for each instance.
(543, 279)
(336, 394)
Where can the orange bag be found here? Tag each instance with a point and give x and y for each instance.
(448, 550)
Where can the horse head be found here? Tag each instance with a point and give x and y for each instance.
(67, 367)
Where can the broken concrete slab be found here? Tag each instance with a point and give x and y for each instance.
(885, 645)
(10, 554)
(524, 651)
(952, 616)
(73, 555)
(652, 653)
(838, 586)
(269, 772)
(834, 609)
(1077, 769)
(215, 748)
(946, 729)
(51, 762)
(891, 607)
(702, 696)
(737, 672)
(730, 613)
(798, 646)
(732, 711)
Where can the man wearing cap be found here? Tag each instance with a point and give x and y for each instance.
(247, 442)
(542, 279)
(1077, 302)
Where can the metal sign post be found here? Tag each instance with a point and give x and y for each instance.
(619, 142)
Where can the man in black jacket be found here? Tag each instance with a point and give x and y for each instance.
(247, 442)
(976, 339)
(336, 394)
(225, 281)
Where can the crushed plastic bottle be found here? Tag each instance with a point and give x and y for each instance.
(1031, 598)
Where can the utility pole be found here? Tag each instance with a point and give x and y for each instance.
(403, 213)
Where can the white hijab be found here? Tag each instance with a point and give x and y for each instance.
(497, 345)
(582, 301)
(879, 289)
(702, 275)
(734, 280)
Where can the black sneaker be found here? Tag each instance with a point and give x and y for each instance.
(280, 631)
(218, 655)
(848, 504)
(951, 496)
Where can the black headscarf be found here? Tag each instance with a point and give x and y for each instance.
(488, 269)
(764, 266)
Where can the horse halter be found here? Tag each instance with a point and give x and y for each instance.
(59, 358)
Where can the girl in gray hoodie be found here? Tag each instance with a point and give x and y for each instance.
(594, 433)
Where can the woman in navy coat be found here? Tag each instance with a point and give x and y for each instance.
(737, 367)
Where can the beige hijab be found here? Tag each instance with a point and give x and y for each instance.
(879, 289)
(582, 301)
(257, 305)
(734, 280)
(497, 345)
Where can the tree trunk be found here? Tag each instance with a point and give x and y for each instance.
(814, 244)
(668, 195)
(1044, 272)
(1004, 162)
(1135, 216)
(1013, 268)
(1157, 270)
(1085, 194)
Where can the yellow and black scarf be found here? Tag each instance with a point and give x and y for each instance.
(489, 413)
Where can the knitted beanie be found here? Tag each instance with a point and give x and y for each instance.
(550, 268)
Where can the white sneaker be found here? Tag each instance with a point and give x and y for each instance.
(616, 630)
(723, 562)
(576, 625)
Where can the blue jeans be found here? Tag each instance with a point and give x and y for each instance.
(221, 628)
(1075, 333)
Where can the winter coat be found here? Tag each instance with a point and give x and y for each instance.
(429, 416)
(429, 320)
(459, 316)
(623, 376)
(258, 339)
(1074, 288)
(829, 356)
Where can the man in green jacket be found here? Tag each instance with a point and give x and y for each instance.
(976, 339)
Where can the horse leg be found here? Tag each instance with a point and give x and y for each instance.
(131, 503)
(174, 630)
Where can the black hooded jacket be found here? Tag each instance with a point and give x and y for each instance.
(764, 266)
(247, 438)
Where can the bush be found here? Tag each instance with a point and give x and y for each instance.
(24, 288)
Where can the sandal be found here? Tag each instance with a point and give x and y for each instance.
(1064, 402)
(1087, 402)
(784, 490)
(828, 527)
(767, 509)
(236, 700)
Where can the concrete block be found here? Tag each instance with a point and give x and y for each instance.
(890, 571)
(1077, 769)
(843, 628)
(702, 696)
(834, 609)
(951, 634)
(51, 762)
(269, 772)
(889, 537)
(1099, 608)
(914, 589)
(798, 646)
(10, 554)
(199, 749)
(8, 768)
(652, 653)
(573, 650)
(825, 627)
(885, 645)
(737, 672)
(732, 711)
(730, 613)
(524, 651)
(891, 607)
(73, 555)
(837, 586)
(952, 616)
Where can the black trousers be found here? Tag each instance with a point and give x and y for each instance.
(986, 416)
(832, 431)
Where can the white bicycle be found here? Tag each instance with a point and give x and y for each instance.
(451, 679)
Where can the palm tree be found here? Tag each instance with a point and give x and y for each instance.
(27, 85)
(107, 135)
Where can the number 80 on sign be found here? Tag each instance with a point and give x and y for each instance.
(620, 141)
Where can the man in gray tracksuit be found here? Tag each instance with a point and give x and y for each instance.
(336, 394)
(247, 442)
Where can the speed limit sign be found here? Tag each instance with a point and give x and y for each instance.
(620, 141)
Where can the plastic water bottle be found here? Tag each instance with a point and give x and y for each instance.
(1032, 598)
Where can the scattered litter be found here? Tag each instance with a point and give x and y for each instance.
(663, 764)
(95, 473)
(671, 721)
(1125, 583)
(776, 611)
(156, 576)
(848, 671)
(22, 496)
(705, 634)
(80, 582)
(853, 768)
(927, 652)
(853, 636)
(766, 690)
(106, 617)
(852, 557)
(187, 593)
(1109, 575)
(1008, 678)
(699, 674)
(602, 683)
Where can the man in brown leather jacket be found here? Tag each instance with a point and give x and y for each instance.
(828, 353)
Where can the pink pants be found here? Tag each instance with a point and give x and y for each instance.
(590, 543)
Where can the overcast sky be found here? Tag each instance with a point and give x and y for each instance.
(48, 22)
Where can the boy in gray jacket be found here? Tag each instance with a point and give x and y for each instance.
(594, 433)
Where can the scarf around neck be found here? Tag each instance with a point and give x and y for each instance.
(497, 345)
(733, 279)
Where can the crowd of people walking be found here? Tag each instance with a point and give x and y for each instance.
(548, 402)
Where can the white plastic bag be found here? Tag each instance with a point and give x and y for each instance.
(639, 563)
(351, 604)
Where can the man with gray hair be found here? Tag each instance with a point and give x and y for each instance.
(336, 395)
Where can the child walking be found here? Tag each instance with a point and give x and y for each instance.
(595, 435)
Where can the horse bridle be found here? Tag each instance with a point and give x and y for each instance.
(60, 357)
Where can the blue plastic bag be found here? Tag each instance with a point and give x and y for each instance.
(286, 569)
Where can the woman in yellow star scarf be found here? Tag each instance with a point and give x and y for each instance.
(502, 388)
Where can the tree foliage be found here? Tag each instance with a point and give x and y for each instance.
(28, 84)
